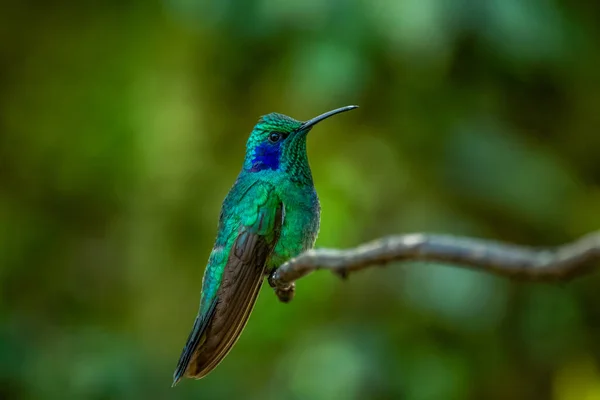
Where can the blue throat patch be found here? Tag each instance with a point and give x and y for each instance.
(266, 156)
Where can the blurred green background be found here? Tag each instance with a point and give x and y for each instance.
(123, 126)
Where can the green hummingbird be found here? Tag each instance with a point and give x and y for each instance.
(271, 214)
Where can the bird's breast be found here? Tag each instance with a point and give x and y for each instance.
(300, 227)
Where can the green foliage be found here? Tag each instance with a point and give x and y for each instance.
(122, 127)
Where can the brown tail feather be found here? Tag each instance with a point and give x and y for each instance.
(218, 346)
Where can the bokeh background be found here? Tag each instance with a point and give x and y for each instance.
(123, 125)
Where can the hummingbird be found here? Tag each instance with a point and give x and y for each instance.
(270, 215)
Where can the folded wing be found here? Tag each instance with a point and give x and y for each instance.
(223, 316)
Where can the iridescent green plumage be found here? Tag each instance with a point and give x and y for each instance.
(270, 215)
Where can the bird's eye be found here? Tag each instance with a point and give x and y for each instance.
(274, 137)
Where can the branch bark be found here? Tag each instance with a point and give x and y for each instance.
(560, 263)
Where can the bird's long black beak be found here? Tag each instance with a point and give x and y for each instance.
(311, 122)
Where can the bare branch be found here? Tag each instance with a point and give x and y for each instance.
(520, 262)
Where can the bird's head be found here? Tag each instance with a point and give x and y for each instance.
(278, 142)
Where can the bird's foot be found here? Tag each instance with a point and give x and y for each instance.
(286, 293)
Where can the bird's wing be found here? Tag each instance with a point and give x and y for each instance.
(223, 314)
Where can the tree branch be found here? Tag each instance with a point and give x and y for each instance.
(520, 262)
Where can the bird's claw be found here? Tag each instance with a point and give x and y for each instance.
(286, 294)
